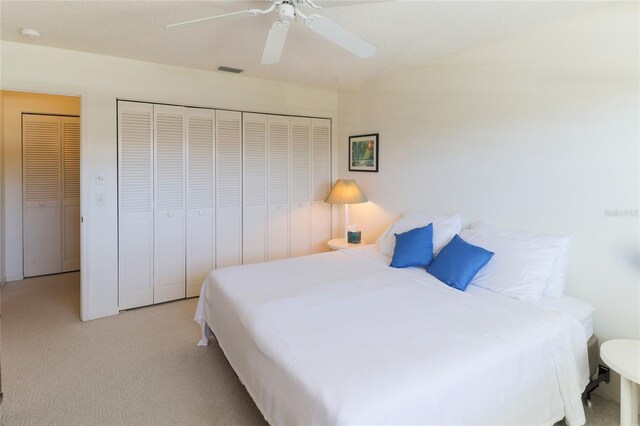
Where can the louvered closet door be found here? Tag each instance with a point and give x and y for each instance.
(278, 188)
(42, 194)
(228, 188)
(254, 205)
(320, 184)
(201, 236)
(135, 204)
(70, 193)
(169, 197)
(300, 241)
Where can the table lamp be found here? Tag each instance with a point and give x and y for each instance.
(345, 191)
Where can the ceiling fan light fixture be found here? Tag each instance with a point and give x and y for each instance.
(30, 33)
(286, 12)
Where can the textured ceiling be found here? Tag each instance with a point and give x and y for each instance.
(408, 33)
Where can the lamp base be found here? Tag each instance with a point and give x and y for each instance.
(354, 237)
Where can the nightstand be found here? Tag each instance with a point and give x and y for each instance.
(623, 356)
(341, 243)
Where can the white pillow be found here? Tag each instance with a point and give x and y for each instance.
(444, 229)
(562, 244)
(520, 269)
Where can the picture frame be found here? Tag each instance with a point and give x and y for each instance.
(363, 153)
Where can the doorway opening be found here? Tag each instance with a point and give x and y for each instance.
(41, 184)
(51, 194)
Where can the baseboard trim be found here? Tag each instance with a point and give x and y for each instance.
(611, 393)
(608, 393)
(14, 278)
(97, 315)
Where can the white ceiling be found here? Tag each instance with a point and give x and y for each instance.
(408, 33)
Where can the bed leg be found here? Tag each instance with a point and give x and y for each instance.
(601, 376)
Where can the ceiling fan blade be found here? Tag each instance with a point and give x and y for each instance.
(325, 4)
(338, 35)
(275, 43)
(192, 23)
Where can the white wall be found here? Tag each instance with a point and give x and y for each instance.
(539, 131)
(99, 80)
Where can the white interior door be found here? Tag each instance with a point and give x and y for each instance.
(169, 223)
(200, 197)
(228, 188)
(254, 188)
(278, 187)
(135, 204)
(70, 133)
(320, 184)
(300, 235)
(42, 195)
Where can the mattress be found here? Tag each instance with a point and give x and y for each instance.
(341, 338)
(579, 310)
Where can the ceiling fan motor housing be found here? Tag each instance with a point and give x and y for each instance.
(286, 12)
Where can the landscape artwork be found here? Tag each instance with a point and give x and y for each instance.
(363, 153)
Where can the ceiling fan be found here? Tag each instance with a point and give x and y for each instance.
(288, 11)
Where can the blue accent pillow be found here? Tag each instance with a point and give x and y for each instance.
(414, 248)
(459, 262)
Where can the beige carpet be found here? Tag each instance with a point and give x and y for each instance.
(139, 368)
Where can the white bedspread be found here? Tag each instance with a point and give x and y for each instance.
(341, 338)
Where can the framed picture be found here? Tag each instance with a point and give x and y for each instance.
(363, 153)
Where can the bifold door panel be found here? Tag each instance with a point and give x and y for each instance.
(135, 204)
(254, 188)
(278, 187)
(201, 234)
(300, 209)
(169, 203)
(228, 188)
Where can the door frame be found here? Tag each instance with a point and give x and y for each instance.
(85, 255)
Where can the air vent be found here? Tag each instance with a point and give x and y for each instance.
(230, 69)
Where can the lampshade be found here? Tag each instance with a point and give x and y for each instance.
(345, 191)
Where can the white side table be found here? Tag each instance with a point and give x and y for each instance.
(623, 356)
(341, 243)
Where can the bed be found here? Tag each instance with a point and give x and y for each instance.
(342, 338)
